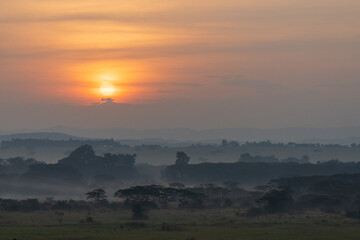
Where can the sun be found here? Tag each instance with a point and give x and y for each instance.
(107, 89)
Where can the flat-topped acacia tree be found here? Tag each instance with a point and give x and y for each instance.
(140, 197)
(97, 195)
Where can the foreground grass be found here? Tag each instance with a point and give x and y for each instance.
(175, 225)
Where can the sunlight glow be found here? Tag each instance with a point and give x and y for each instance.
(107, 89)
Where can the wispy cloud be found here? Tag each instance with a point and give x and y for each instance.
(143, 52)
(240, 81)
(173, 83)
(124, 17)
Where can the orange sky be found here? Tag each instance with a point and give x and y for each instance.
(62, 52)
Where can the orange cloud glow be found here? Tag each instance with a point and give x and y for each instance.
(65, 51)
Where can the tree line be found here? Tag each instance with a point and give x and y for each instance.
(338, 194)
(252, 169)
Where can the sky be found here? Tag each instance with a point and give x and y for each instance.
(168, 63)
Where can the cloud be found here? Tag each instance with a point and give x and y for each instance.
(184, 84)
(194, 48)
(165, 91)
(88, 17)
(240, 81)
(144, 52)
(107, 100)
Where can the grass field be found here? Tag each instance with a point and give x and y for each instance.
(218, 224)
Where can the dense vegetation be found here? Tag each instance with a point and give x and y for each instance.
(203, 198)
(151, 152)
(83, 168)
(337, 193)
(253, 172)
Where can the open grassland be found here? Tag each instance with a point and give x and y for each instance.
(217, 224)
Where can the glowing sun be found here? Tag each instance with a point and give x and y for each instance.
(107, 89)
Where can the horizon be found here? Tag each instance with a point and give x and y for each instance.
(327, 136)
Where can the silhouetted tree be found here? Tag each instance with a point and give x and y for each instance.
(216, 194)
(277, 200)
(141, 197)
(182, 159)
(97, 195)
(89, 164)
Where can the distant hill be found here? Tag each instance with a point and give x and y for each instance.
(186, 136)
(345, 135)
(39, 135)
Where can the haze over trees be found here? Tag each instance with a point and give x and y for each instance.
(84, 159)
(253, 172)
(83, 167)
(249, 187)
(160, 152)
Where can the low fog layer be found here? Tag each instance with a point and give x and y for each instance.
(83, 169)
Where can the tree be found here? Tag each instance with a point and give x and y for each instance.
(190, 199)
(97, 195)
(277, 200)
(141, 197)
(233, 144)
(84, 159)
(216, 194)
(182, 159)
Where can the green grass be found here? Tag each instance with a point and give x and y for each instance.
(217, 224)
